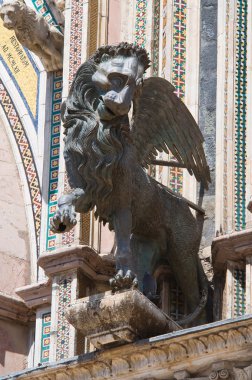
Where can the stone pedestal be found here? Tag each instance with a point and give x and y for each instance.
(75, 271)
(110, 319)
(231, 258)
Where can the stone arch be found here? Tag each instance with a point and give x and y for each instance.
(28, 175)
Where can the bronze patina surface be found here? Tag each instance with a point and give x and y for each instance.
(106, 153)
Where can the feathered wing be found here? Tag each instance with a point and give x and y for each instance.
(162, 122)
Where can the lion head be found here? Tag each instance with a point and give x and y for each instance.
(95, 114)
(16, 14)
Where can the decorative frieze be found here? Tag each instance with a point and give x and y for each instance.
(167, 356)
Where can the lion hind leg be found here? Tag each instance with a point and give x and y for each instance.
(183, 261)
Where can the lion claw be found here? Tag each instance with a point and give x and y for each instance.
(121, 281)
(63, 220)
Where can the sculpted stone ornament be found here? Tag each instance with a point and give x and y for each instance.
(34, 33)
(106, 152)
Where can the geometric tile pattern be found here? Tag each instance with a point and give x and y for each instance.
(240, 91)
(54, 155)
(164, 37)
(239, 276)
(74, 63)
(225, 126)
(26, 154)
(179, 47)
(42, 7)
(178, 73)
(140, 25)
(64, 299)
(45, 340)
(155, 36)
(176, 179)
(75, 38)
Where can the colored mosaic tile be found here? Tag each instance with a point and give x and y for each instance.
(179, 47)
(155, 55)
(178, 73)
(140, 25)
(155, 37)
(26, 154)
(75, 38)
(164, 37)
(239, 276)
(63, 328)
(45, 337)
(42, 7)
(54, 156)
(74, 63)
(240, 114)
(225, 149)
(176, 179)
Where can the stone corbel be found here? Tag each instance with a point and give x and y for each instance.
(14, 308)
(34, 33)
(36, 295)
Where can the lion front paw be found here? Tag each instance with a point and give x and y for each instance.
(121, 281)
(63, 220)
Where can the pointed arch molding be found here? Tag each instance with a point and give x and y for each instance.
(27, 158)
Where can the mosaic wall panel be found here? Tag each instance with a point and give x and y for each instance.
(140, 25)
(74, 63)
(240, 114)
(155, 36)
(26, 154)
(239, 307)
(178, 73)
(75, 38)
(164, 36)
(45, 338)
(63, 328)
(54, 155)
(42, 7)
(225, 177)
(179, 47)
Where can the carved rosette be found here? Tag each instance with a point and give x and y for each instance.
(221, 374)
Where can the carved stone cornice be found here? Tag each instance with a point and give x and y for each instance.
(36, 295)
(195, 349)
(234, 247)
(14, 308)
(81, 257)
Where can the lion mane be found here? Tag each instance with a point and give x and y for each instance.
(94, 149)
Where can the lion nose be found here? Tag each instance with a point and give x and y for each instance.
(116, 103)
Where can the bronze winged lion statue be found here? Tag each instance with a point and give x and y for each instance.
(106, 153)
